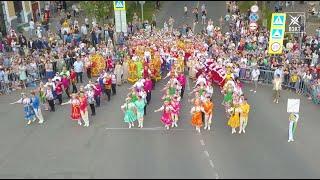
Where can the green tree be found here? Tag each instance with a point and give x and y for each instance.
(98, 9)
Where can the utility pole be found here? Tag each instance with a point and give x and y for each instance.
(142, 3)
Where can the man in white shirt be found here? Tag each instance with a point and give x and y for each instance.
(78, 68)
(279, 72)
(255, 77)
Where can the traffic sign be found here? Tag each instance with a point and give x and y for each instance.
(253, 26)
(295, 23)
(254, 8)
(279, 20)
(277, 33)
(275, 47)
(253, 17)
(119, 5)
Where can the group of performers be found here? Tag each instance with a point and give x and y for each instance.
(146, 59)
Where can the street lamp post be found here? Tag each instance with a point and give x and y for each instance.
(142, 3)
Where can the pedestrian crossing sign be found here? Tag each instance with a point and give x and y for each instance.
(277, 33)
(119, 5)
(279, 20)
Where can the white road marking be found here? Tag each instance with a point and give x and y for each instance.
(202, 142)
(211, 164)
(152, 129)
(206, 153)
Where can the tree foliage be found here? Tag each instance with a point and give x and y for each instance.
(98, 9)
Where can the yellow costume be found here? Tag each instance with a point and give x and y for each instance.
(98, 64)
(234, 120)
(157, 66)
(132, 72)
(245, 111)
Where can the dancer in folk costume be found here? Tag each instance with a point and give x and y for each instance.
(228, 96)
(84, 108)
(129, 109)
(118, 70)
(140, 106)
(208, 111)
(196, 112)
(244, 115)
(75, 108)
(293, 120)
(166, 117)
(42, 95)
(175, 103)
(234, 120)
(29, 114)
(36, 106)
(125, 68)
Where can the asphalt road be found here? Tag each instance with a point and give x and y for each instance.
(108, 149)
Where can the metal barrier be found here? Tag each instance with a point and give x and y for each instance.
(301, 86)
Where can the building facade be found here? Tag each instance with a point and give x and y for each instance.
(14, 13)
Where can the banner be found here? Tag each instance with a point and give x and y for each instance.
(277, 33)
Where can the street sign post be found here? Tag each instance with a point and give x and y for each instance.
(277, 33)
(142, 3)
(120, 16)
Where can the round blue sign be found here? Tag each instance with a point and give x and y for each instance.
(253, 17)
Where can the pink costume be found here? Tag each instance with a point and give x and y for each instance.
(166, 115)
(176, 107)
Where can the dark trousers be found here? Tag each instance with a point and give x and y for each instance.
(67, 92)
(89, 73)
(59, 97)
(114, 90)
(108, 92)
(182, 91)
(97, 99)
(54, 66)
(74, 88)
(93, 109)
(145, 109)
(51, 104)
(79, 75)
(148, 97)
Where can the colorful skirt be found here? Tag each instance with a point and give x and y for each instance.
(130, 116)
(197, 119)
(166, 118)
(28, 113)
(75, 114)
(234, 121)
